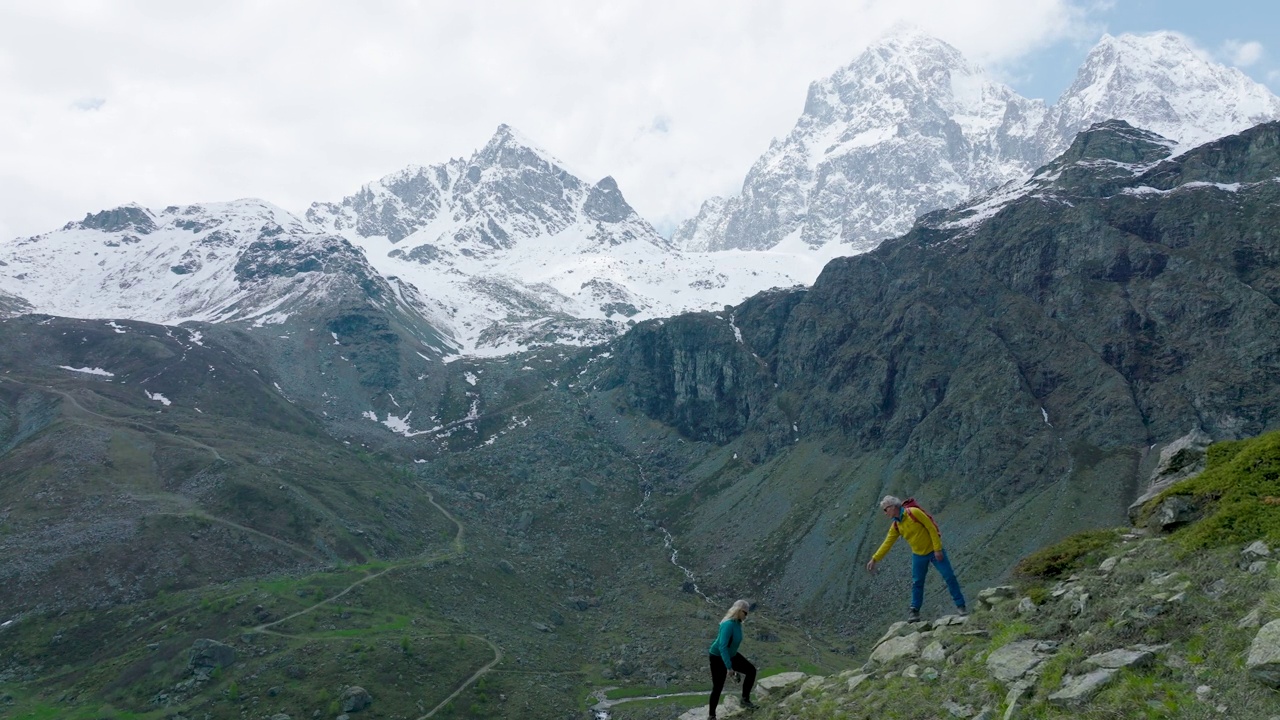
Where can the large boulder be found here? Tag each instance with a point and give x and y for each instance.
(208, 655)
(355, 699)
(1172, 513)
(1010, 662)
(1179, 460)
(896, 648)
(1263, 662)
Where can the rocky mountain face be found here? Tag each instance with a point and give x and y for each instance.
(910, 126)
(1013, 362)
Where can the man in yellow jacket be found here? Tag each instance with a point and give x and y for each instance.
(922, 534)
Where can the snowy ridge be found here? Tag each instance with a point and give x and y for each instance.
(523, 252)
(501, 251)
(239, 261)
(911, 126)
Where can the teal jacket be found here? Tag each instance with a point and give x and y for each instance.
(727, 642)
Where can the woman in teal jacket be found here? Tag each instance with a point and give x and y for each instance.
(724, 655)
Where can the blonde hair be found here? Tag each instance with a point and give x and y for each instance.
(737, 611)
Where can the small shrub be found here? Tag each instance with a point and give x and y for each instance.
(1059, 559)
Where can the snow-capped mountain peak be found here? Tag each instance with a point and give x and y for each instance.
(519, 248)
(911, 126)
(1162, 83)
(909, 113)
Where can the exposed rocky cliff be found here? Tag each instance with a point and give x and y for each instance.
(1013, 360)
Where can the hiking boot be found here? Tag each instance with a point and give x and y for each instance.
(914, 615)
(748, 705)
(962, 611)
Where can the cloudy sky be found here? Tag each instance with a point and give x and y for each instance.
(104, 102)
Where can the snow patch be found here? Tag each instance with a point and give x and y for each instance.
(157, 397)
(88, 370)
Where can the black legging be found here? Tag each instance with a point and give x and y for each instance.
(719, 672)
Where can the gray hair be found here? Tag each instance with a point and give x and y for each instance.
(889, 501)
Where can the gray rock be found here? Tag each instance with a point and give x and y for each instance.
(855, 681)
(1026, 606)
(929, 674)
(1172, 513)
(934, 652)
(583, 603)
(1116, 659)
(1257, 550)
(525, 521)
(1263, 663)
(1010, 662)
(775, 683)
(355, 699)
(542, 627)
(506, 567)
(207, 655)
(1179, 460)
(1257, 567)
(957, 710)
(1252, 620)
(1077, 689)
(897, 629)
(896, 648)
(1014, 696)
(995, 595)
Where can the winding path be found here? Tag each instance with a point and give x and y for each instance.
(456, 549)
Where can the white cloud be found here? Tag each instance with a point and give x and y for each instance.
(1242, 53)
(296, 101)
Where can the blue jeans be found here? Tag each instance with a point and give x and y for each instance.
(920, 566)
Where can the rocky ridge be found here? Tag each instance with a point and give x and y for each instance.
(911, 126)
(1079, 648)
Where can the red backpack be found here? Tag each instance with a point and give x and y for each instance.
(911, 503)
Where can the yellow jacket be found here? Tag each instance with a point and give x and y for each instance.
(914, 525)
